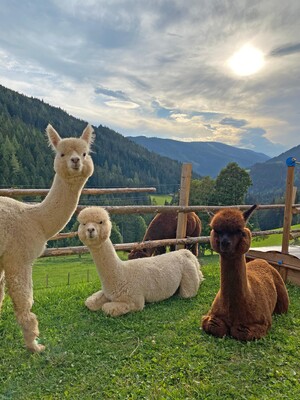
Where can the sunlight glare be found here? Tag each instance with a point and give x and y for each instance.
(246, 61)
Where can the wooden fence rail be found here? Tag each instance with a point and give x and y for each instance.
(12, 192)
(293, 234)
(141, 210)
(64, 251)
(185, 209)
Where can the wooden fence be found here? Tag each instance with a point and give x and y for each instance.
(288, 265)
(63, 251)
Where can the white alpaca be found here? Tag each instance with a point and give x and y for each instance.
(25, 228)
(127, 285)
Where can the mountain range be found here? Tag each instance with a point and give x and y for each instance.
(269, 178)
(207, 158)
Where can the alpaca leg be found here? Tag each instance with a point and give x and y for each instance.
(282, 303)
(190, 281)
(2, 288)
(20, 291)
(214, 325)
(96, 301)
(117, 308)
(251, 332)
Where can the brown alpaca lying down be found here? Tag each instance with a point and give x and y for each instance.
(164, 226)
(250, 293)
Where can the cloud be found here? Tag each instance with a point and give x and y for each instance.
(118, 94)
(286, 50)
(159, 68)
(121, 104)
(160, 111)
(255, 138)
(238, 123)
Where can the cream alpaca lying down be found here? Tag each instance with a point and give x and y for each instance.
(127, 285)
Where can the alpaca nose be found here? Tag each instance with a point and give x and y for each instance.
(91, 230)
(225, 242)
(75, 160)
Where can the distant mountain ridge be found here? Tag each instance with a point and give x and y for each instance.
(207, 158)
(269, 178)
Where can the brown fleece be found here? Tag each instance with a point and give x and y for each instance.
(250, 292)
(164, 226)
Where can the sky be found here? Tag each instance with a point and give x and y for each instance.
(193, 70)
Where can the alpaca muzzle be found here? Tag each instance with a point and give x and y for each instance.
(225, 243)
(75, 163)
(91, 232)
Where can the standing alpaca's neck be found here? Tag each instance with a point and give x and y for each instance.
(108, 264)
(54, 212)
(234, 283)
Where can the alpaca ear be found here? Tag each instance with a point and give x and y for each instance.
(53, 136)
(247, 214)
(87, 134)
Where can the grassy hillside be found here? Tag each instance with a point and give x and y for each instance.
(271, 240)
(160, 200)
(269, 178)
(159, 353)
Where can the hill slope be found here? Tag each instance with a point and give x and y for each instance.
(207, 158)
(269, 178)
(26, 160)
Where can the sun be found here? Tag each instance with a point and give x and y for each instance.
(246, 61)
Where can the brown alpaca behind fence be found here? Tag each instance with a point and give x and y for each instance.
(164, 226)
(249, 293)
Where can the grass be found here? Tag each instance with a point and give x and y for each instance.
(271, 240)
(160, 199)
(63, 271)
(159, 353)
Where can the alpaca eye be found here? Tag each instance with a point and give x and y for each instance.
(101, 222)
(62, 155)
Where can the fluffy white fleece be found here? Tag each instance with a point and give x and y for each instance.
(127, 285)
(25, 228)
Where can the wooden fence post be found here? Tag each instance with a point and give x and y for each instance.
(290, 194)
(289, 199)
(184, 195)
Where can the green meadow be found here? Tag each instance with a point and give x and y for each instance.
(158, 353)
(272, 240)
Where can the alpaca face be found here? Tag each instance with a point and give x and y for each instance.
(72, 158)
(229, 236)
(230, 243)
(94, 226)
